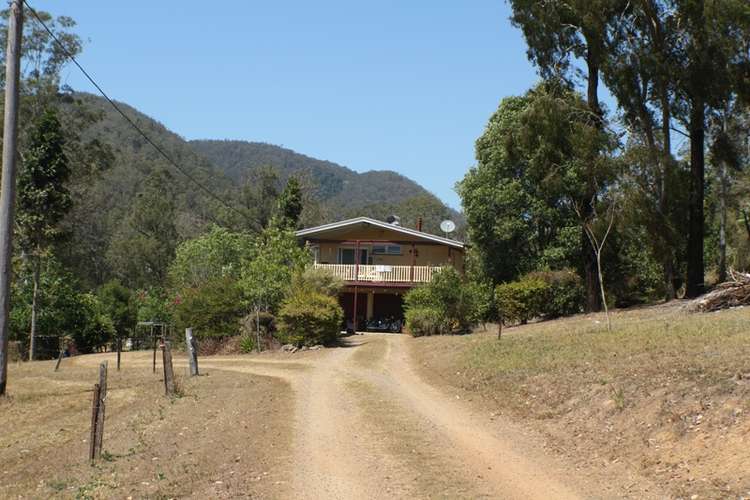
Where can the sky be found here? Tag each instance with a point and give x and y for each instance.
(389, 85)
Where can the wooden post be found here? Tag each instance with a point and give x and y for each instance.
(8, 182)
(192, 350)
(94, 420)
(59, 359)
(168, 372)
(102, 405)
(153, 342)
(119, 351)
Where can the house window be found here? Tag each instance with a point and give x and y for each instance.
(346, 256)
(386, 249)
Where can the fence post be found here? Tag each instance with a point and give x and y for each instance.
(102, 406)
(119, 351)
(94, 419)
(168, 372)
(192, 351)
(59, 359)
(153, 342)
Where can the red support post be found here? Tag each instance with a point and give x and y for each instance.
(413, 261)
(354, 316)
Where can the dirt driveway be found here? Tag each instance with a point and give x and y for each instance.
(344, 423)
(367, 426)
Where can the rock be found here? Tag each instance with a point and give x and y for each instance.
(288, 348)
(316, 347)
(304, 348)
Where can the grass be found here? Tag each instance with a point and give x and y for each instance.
(666, 391)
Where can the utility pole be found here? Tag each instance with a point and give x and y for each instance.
(8, 184)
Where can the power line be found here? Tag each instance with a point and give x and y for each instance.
(128, 119)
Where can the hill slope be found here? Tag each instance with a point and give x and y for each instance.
(342, 190)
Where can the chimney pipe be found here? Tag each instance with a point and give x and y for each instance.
(419, 223)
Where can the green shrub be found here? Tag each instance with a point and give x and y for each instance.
(308, 317)
(213, 310)
(520, 301)
(247, 344)
(447, 305)
(320, 280)
(565, 294)
(424, 320)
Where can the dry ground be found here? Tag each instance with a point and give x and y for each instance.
(345, 423)
(666, 395)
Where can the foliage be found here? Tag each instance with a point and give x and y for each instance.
(145, 244)
(266, 278)
(43, 198)
(247, 344)
(308, 317)
(319, 280)
(155, 304)
(565, 293)
(537, 159)
(64, 312)
(289, 207)
(217, 253)
(447, 305)
(212, 310)
(117, 303)
(520, 301)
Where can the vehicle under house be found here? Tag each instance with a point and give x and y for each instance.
(379, 262)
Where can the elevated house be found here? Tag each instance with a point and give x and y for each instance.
(379, 262)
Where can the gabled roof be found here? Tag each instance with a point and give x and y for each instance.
(365, 221)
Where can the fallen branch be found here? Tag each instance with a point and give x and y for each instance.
(732, 293)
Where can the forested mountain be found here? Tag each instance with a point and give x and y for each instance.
(341, 190)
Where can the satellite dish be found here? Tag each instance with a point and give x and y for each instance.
(447, 226)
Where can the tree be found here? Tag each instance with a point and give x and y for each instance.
(289, 205)
(144, 246)
(117, 303)
(218, 253)
(43, 200)
(557, 32)
(537, 159)
(267, 278)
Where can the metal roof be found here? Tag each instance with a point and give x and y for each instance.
(377, 223)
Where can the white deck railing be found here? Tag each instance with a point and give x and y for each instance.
(381, 274)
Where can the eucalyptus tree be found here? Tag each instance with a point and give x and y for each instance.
(561, 36)
(43, 200)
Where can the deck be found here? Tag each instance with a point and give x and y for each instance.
(381, 273)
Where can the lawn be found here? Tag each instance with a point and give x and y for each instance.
(667, 392)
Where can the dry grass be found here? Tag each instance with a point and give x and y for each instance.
(211, 442)
(667, 392)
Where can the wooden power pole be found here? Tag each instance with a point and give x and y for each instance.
(8, 185)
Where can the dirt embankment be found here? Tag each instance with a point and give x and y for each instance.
(666, 395)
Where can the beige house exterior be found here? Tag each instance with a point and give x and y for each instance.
(379, 262)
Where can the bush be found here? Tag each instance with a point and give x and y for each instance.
(308, 317)
(520, 301)
(565, 294)
(247, 344)
(320, 280)
(446, 305)
(213, 310)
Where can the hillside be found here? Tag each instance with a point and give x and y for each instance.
(343, 191)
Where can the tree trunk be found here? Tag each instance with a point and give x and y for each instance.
(695, 266)
(722, 222)
(601, 289)
(670, 291)
(34, 297)
(591, 277)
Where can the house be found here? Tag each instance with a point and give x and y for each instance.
(379, 262)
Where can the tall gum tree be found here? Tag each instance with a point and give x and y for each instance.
(557, 33)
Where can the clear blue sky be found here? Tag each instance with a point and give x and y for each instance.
(405, 86)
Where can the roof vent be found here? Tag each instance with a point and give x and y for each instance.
(394, 219)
